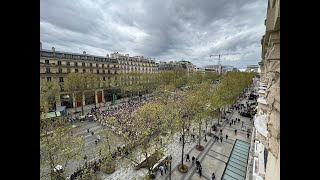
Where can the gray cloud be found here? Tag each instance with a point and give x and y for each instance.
(165, 30)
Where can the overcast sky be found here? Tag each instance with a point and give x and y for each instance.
(162, 29)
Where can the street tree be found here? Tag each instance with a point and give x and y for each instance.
(49, 91)
(59, 148)
(181, 109)
(146, 127)
(79, 83)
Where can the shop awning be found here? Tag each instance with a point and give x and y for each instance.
(52, 114)
(262, 100)
(260, 123)
(61, 108)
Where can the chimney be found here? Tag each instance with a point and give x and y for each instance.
(84, 52)
(53, 49)
(107, 55)
(40, 45)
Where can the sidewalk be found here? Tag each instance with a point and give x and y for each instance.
(215, 155)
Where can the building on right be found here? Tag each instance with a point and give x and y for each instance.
(267, 120)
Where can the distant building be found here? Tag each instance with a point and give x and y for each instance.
(199, 69)
(252, 68)
(187, 65)
(223, 68)
(227, 68)
(163, 66)
(171, 65)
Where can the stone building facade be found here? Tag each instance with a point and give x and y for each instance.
(270, 75)
(56, 65)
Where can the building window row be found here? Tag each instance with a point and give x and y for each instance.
(47, 62)
(77, 57)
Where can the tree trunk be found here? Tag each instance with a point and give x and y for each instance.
(149, 169)
(182, 150)
(199, 134)
(82, 102)
(219, 117)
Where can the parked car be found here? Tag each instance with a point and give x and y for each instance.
(246, 114)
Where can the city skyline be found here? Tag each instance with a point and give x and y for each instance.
(157, 29)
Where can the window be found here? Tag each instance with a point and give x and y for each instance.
(83, 64)
(60, 79)
(76, 70)
(103, 71)
(61, 88)
(97, 71)
(90, 64)
(97, 65)
(83, 70)
(102, 65)
(48, 78)
(59, 63)
(60, 70)
(108, 71)
(47, 70)
(91, 70)
(68, 70)
(104, 78)
(108, 77)
(46, 61)
(108, 66)
(68, 63)
(76, 64)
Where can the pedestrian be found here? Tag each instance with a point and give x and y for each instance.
(221, 138)
(180, 140)
(165, 167)
(226, 137)
(230, 124)
(213, 177)
(193, 159)
(161, 170)
(248, 135)
(235, 132)
(88, 130)
(92, 133)
(221, 130)
(188, 158)
(200, 170)
(197, 163)
(96, 141)
(232, 121)
(238, 120)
